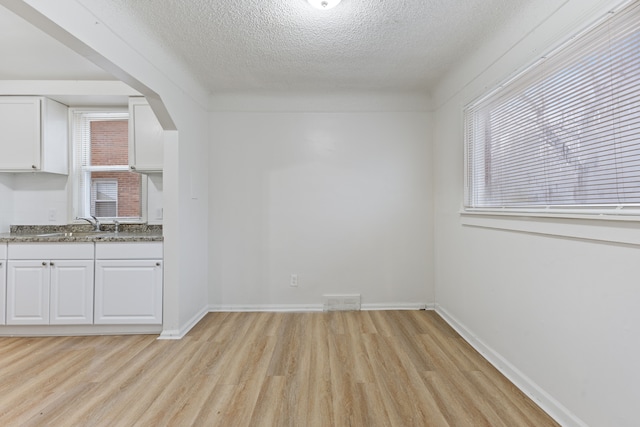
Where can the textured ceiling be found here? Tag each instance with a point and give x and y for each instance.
(287, 45)
(251, 46)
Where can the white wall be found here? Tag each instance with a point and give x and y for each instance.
(559, 313)
(342, 199)
(34, 195)
(155, 199)
(6, 202)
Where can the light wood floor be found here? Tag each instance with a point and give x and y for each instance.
(380, 368)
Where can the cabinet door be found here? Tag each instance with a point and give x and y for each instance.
(27, 293)
(55, 137)
(71, 300)
(3, 290)
(128, 292)
(19, 133)
(146, 146)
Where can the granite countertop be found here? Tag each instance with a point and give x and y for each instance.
(82, 233)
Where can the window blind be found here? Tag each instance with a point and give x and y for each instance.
(566, 132)
(85, 202)
(104, 198)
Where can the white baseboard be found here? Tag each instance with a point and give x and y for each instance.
(76, 330)
(543, 399)
(176, 334)
(266, 307)
(398, 306)
(315, 307)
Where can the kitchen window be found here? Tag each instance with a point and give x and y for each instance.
(564, 135)
(103, 184)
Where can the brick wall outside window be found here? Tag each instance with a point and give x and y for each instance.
(110, 147)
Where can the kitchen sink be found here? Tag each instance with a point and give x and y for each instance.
(75, 234)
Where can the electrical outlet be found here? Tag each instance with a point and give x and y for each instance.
(293, 282)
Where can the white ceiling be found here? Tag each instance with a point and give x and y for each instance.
(29, 54)
(283, 45)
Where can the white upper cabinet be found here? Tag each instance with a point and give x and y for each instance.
(145, 138)
(34, 135)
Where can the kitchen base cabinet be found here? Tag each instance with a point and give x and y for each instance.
(3, 282)
(128, 292)
(28, 293)
(47, 291)
(56, 292)
(81, 288)
(128, 283)
(71, 293)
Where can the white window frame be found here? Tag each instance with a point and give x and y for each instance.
(624, 212)
(80, 195)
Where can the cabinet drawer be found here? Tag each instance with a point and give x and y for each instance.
(129, 250)
(50, 251)
(3, 251)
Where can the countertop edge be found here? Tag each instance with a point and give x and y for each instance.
(129, 237)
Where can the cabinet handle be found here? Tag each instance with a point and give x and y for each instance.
(51, 264)
(44, 264)
(0, 264)
(34, 167)
(157, 264)
(133, 168)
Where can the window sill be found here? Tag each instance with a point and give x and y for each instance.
(622, 229)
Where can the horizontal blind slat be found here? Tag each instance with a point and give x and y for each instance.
(565, 132)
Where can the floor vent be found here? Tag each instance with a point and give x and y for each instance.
(348, 302)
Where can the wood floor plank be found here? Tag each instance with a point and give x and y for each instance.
(270, 409)
(288, 351)
(449, 385)
(114, 395)
(393, 368)
(198, 393)
(406, 402)
(315, 403)
(456, 407)
(174, 384)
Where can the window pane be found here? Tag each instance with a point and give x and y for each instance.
(104, 197)
(127, 199)
(565, 132)
(109, 143)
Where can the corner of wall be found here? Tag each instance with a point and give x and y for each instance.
(6, 208)
(315, 102)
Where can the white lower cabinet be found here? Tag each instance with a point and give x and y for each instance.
(3, 282)
(106, 283)
(51, 292)
(28, 293)
(47, 291)
(71, 292)
(128, 283)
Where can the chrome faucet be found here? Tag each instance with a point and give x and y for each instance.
(95, 223)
